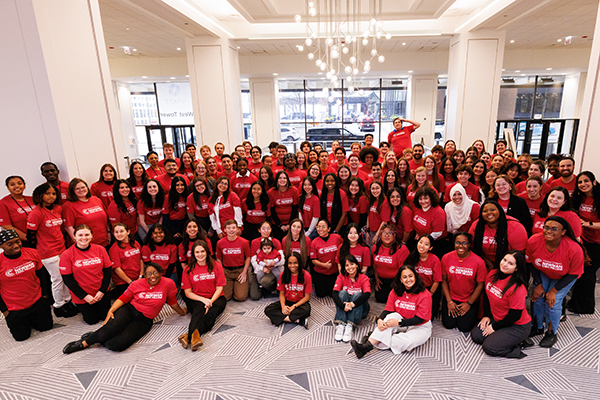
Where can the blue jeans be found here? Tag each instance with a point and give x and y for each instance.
(313, 234)
(542, 313)
(355, 315)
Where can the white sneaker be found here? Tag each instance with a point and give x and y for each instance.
(347, 333)
(339, 332)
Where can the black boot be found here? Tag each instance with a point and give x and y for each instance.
(360, 349)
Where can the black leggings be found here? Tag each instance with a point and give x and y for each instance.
(504, 342)
(38, 317)
(273, 311)
(202, 320)
(464, 323)
(94, 313)
(127, 327)
(583, 299)
(381, 295)
(323, 283)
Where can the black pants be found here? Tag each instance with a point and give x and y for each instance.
(118, 290)
(323, 283)
(464, 323)
(202, 320)
(175, 226)
(250, 231)
(94, 313)
(435, 301)
(381, 295)
(128, 326)
(583, 299)
(38, 317)
(503, 342)
(273, 311)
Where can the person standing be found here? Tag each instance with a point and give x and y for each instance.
(236, 263)
(400, 137)
(15, 207)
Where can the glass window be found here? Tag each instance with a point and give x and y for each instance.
(143, 104)
(362, 100)
(246, 110)
(440, 110)
(519, 95)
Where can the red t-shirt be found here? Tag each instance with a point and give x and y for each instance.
(64, 191)
(310, 209)
(254, 168)
(149, 300)
(165, 181)
(47, 224)
(427, 222)
(102, 191)
(375, 217)
(410, 305)
(400, 139)
(283, 203)
(522, 187)
(233, 253)
(533, 205)
(296, 177)
(229, 175)
(199, 210)
(15, 213)
(360, 285)
(128, 259)
(587, 212)
(90, 213)
(276, 167)
(569, 186)
(572, 218)
(500, 303)
(517, 237)
(441, 184)
(430, 270)
(161, 163)
(567, 259)
(274, 255)
(175, 214)
(344, 201)
(255, 245)
(226, 208)
(152, 215)
(361, 253)
(202, 282)
(295, 291)
(412, 165)
(87, 268)
(325, 251)
(355, 210)
(19, 285)
(256, 216)
(130, 218)
(163, 255)
(137, 189)
(185, 254)
(471, 190)
(387, 265)
(189, 173)
(241, 184)
(463, 274)
(404, 223)
(153, 174)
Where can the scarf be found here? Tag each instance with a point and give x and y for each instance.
(458, 214)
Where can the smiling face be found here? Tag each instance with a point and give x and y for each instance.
(121, 234)
(192, 229)
(171, 168)
(108, 174)
(124, 189)
(344, 174)
(295, 228)
(508, 264)
(83, 237)
(322, 229)
(556, 199)
(457, 198)
(533, 189)
(353, 188)
(375, 190)
(158, 235)
(222, 186)
(388, 237)
(293, 265)
(352, 236)
(424, 245)
(461, 245)
(408, 278)
(265, 230)
(490, 213)
(425, 201)
(429, 164)
(497, 162)
(81, 190)
(49, 197)
(200, 255)
(585, 184)
(152, 276)
(553, 231)
(502, 187)
(490, 177)
(329, 183)
(152, 188)
(242, 167)
(186, 159)
(448, 167)
(180, 187)
(16, 186)
(395, 198)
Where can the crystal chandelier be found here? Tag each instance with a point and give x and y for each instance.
(341, 32)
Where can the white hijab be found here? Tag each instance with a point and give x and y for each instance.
(458, 214)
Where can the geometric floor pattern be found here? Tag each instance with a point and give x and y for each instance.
(245, 357)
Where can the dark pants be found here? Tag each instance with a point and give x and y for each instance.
(118, 290)
(583, 299)
(38, 317)
(250, 231)
(175, 226)
(127, 327)
(202, 320)
(323, 283)
(464, 323)
(435, 301)
(273, 311)
(94, 313)
(385, 288)
(503, 342)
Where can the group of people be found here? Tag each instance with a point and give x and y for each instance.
(463, 234)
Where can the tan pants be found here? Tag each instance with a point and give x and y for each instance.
(233, 288)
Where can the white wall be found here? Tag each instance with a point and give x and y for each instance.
(265, 111)
(423, 100)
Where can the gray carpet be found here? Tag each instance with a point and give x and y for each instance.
(245, 357)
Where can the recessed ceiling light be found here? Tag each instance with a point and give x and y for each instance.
(559, 40)
(319, 73)
(410, 72)
(126, 29)
(548, 69)
(522, 74)
(179, 48)
(503, 69)
(168, 81)
(404, 44)
(518, 70)
(172, 77)
(512, 41)
(134, 49)
(187, 76)
(275, 73)
(238, 47)
(144, 76)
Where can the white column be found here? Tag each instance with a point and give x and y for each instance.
(588, 140)
(572, 96)
(123, 94)
(474, 74)
(56, 102)
(422, 107)
(265, 111)
(214, 70)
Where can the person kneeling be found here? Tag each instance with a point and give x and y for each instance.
(131, 315)
(295, 287)
(203, 281)
(351, 297)
(405, 323)
(506, 323)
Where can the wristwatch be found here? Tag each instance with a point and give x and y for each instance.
(591, 223)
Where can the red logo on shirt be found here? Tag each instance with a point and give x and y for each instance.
(420, 220)
(494, 290)
(425, 271)
(325, 250)
(384, 259)
(20, 210)
(87, 262)
(53, 222)
(20, 269)
(548, 264)
(131, 252)
(203, 277)
(299, 287)
(460, 271)
(159, 257)
(91, 210)
(405, 305)
(230, 251)
(153, 295)
(154, 211)
(586, 208)
(282, 202)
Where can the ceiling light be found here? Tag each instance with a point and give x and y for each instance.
(134, 49)
(403, 44)
(144, 76)
(238, 47)
(522, 74)
(518, 70)
(172, 77)
(275, 73)
(187, 76)
(548, 69)
(126, 29)
(512, 41)
(559, 40)
(179, 49)
(410, 72)
(503, 69)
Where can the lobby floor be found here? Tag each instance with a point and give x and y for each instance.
(245, 357)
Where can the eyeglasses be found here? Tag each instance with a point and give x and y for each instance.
(149, 274)
(551, 229)
(461, 243)
(388, 233)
